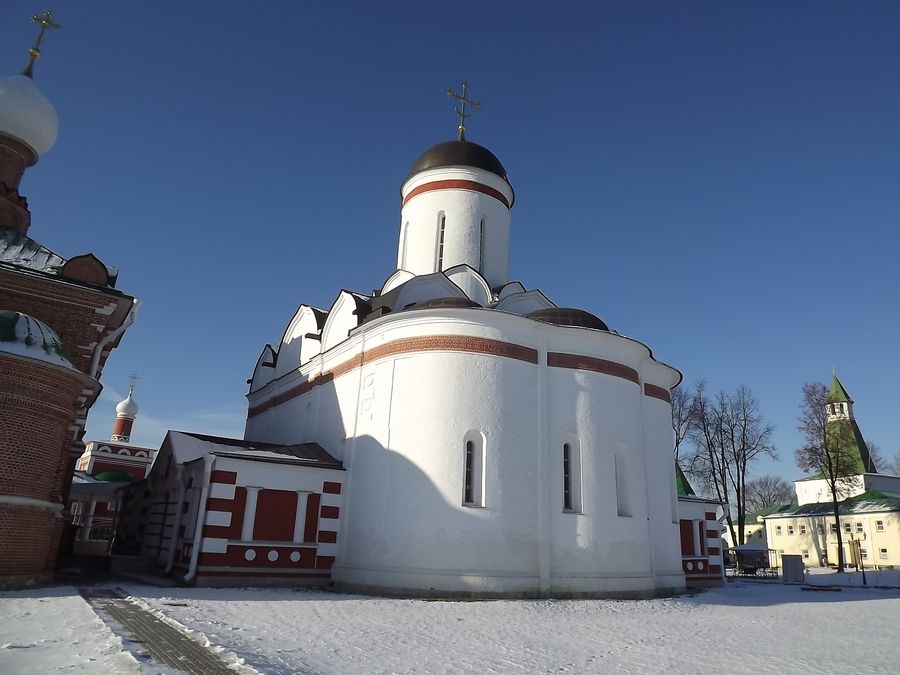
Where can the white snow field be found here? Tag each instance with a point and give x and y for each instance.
(53, 630)
(745, 627)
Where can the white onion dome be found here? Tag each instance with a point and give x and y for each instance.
(23, 335)
(26, 113)
(127, 407)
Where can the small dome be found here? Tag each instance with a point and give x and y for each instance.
(446, 303)
(114, 477)
(566, 316)
(127, 407)
(24, 335)
(458, 153)
(26, 114)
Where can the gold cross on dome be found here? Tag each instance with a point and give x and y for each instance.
(45, 21)
(461, 111)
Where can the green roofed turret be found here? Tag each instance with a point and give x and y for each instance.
(682, 486)
(837, 393)
(845, 437)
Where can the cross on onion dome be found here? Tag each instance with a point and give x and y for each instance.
(45, 21)
(461, 111)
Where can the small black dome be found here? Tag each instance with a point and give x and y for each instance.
(458, 153)
(566, 316)
(446, 303)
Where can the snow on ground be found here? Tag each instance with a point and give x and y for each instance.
(745, 627)
(48, 630)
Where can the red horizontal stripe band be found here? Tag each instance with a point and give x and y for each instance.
(425, 343)
(590, 363)
(657, 392)
(458, 185)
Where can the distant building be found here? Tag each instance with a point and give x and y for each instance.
(700, 531)
(103, 468)
(59, 320)
(118, 453)
(869, 509)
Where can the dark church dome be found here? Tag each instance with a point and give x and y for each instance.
(458, 153)
(446, 303)
(567, 316)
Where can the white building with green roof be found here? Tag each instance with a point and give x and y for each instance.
(869, 512)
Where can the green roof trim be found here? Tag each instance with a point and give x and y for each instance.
(114, 477)
(756, 517)
(837, 393)
(682, 486)
(873, 501)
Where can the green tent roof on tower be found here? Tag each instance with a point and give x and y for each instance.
(837, 393)
(682, 487)
(853, 445)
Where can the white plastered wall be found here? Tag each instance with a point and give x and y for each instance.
(399, 424)
(464, 210)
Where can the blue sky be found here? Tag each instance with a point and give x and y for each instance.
(718, 180)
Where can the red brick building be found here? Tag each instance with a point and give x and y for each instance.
(59, 320)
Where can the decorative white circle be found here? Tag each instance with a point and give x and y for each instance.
(250, 554)
(700, 565)
(273, 555)
(295, 556)
(690, 566)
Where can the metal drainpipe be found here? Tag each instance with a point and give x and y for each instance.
(179, 509)
(209, 461)
(98, 350)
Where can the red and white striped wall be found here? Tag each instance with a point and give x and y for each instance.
(701, 548)
(269, 521)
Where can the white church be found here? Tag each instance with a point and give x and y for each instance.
(452, 434)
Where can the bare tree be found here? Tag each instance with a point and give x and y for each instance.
(767, 491)
(875, 458)
(681, 416)
(728, 435)
(706, 461)
(893, 467)
(829, 449)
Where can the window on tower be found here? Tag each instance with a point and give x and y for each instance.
(442, 225)
(481, 235)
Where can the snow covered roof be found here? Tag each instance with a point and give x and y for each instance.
(308, 454)
(23, 335)
(22, 252)
(873, 501)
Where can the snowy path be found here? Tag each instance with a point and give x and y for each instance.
(744, 628)
(47, 630)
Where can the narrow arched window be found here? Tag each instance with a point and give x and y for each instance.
(481, 235)
(571, 461)
(404, 246)
(622, 505)
(442, 225)
(469, 487)
(473, 470)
